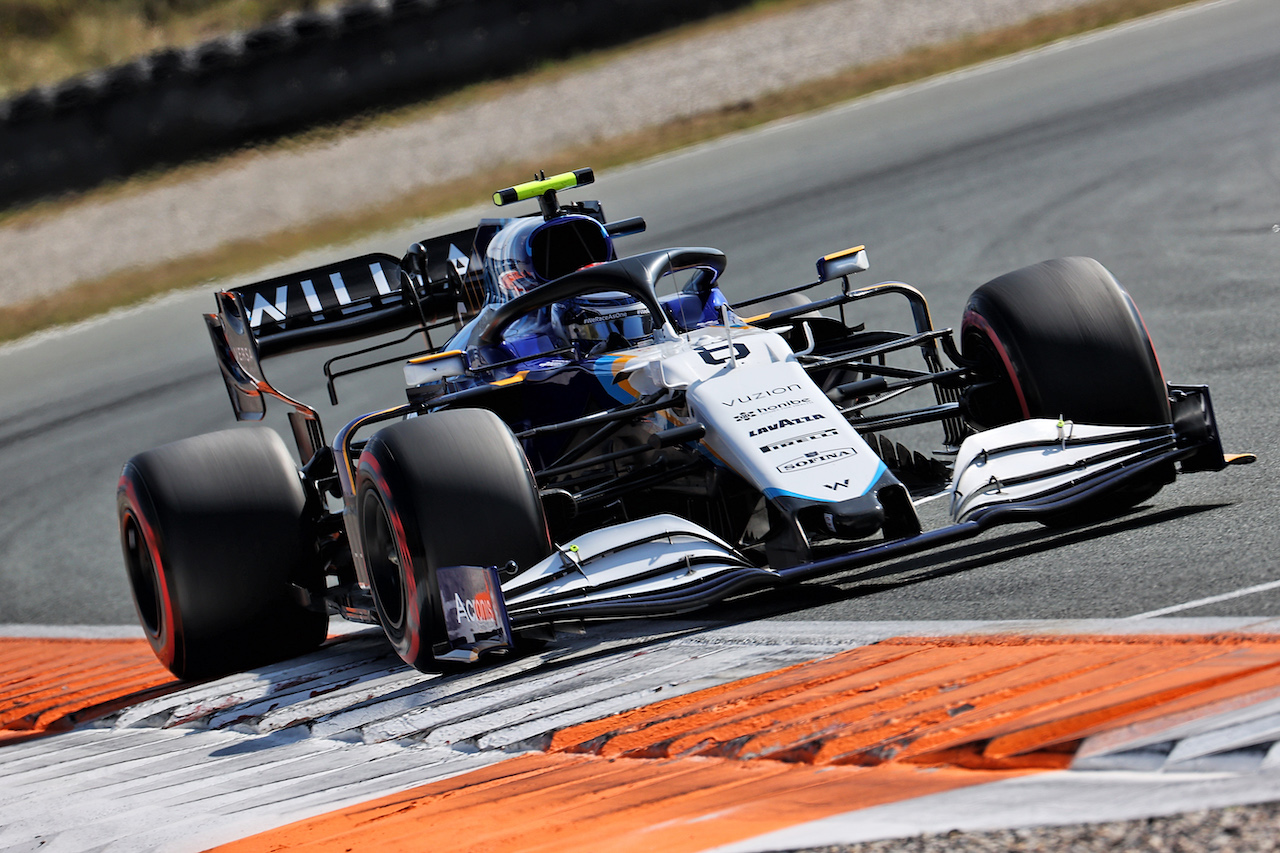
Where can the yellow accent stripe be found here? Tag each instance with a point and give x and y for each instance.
(1239, 458)
(424, 359)
(512, 380)
(844, 253)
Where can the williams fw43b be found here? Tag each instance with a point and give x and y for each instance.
(592, 436)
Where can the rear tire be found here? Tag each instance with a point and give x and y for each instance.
(449, 488)
(215, 530)
(1062, 339)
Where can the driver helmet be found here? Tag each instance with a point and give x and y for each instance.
(603, 321)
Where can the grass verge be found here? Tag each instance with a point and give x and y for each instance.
(89, 298)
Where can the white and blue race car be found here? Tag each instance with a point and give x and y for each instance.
(587, 436)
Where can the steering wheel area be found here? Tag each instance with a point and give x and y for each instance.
(636, 276)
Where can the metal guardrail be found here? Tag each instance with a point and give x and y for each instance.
(304, 69)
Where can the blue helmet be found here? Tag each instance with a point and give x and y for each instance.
(603, 321)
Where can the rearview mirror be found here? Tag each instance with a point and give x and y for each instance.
(841, 264)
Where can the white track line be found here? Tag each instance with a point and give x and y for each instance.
(1213, 599)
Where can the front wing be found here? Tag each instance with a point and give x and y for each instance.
(1030, 470)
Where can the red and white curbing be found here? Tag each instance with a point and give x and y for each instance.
(214, 763)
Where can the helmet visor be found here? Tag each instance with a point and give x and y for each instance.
(601, 318)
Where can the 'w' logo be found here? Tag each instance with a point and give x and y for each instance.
(835, 487)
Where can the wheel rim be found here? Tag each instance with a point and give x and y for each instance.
(383, 559)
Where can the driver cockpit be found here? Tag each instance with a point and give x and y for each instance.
(526, 253)
(523, 254)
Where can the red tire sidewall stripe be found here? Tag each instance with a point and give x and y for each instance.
(412, 628)
(1146, 333)
(973, 319)
(163, 643)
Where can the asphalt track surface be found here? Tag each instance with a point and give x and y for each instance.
(1154, 148)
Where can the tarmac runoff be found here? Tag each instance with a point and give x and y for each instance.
(767, 736)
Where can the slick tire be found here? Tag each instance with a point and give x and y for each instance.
(449, 488)
(215, 531)
(1063, 338)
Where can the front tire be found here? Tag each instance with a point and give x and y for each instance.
(449, 488)
(1063, 339)
(215, 531)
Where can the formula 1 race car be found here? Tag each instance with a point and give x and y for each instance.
(588, 436)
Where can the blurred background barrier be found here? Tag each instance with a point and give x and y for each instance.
(305, 69)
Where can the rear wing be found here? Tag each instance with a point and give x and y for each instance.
(439, 282)
(330, 304)
(439, 279)
(363, 296)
